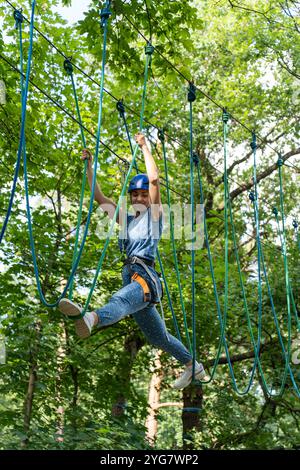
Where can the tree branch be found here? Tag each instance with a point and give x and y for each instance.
(267, 172)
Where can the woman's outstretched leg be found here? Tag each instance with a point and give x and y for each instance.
(154, 329)
(126, 301)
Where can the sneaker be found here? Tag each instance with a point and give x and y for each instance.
(186, 377)
(84, 325)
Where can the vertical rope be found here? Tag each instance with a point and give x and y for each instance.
(24, 94)
(149, 49)
(69, 69)
(254, 198)
(105, 13)
(226, 196)
(285, 260)
(121, 109)
(161, 136)
(191, 99)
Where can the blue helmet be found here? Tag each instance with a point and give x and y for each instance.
(140, 181)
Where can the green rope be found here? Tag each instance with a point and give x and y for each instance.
(228, 209)
(297, 232)
(104, 19)
(226, 197)
(191, 99)
(69, 69)
(24, 94)
(260, 257)
(285, 260)
(169, 296)
(148, 50)
(162, 139)
(275, 212)
(222, 323)
(285, 356)
(121, 109)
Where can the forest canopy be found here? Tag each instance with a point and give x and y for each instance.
(114, 391)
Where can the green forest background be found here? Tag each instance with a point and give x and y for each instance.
(114, 391)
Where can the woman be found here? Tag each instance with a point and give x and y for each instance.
(141, 285)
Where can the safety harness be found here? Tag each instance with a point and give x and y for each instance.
(136, 277)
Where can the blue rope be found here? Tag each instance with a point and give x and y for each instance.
(76, 262)
(275, 212)
(191, 99)
(24, 94)
(169, 296)
(121, 108)
(69, 69)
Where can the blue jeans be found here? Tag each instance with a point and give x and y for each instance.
(130, 301)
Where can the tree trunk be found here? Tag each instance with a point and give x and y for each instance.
(192, 405)
(154, 399)
(61, 353)
(28, 402)
(133, 343)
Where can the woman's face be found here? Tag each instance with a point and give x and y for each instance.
(139, 198)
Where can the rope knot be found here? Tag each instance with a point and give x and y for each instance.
(275, 211)
(161, 135)
(224, 179)
(149, 49)
(18, 17)
(121, 107)
(68, 66)
(105, 14)
(253, 144)
(226, 116)
(280, 162)
(192, 93)
(196, 159)
(252, 196)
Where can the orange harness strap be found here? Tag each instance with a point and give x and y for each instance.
(147, 295)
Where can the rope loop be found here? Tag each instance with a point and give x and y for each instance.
(253, 144)
(280, 162)
(224, 179)
(191, 93)
(161, 135)
(295, 224)
(105, 14)
(252, 196)
(18, 16)
(120, 107)
(196, 159)
(275, 211)
(149, 49)
(68, 66)
(226, 116)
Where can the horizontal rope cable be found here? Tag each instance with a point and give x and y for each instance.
(122, 159)
(75, 119)
(189, 80)
(129, 108)
(105, 145)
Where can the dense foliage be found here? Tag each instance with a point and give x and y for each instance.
(59, 392)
